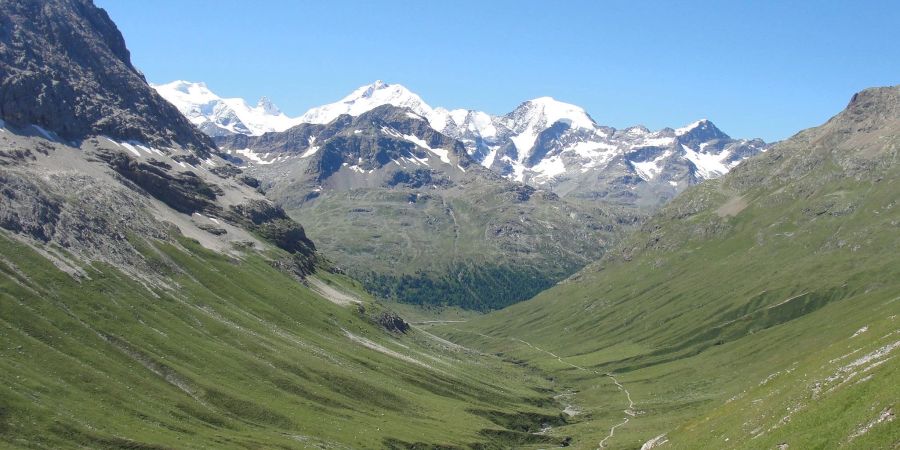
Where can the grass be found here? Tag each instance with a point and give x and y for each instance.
(734, 330)
(471, 245)
(232, 354)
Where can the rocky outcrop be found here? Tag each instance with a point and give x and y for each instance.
(270, 222)
(64, 66)
(184, 192)
(392, 322)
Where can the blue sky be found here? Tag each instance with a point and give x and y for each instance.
(757, 69)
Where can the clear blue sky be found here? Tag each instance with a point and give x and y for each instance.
(757, 69)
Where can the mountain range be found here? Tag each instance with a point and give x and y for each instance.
(543, 142)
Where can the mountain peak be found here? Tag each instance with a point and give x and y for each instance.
(367, 98)
(267, 106)
(549, 111)
(699, 131)
(217, 115)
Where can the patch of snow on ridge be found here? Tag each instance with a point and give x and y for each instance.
(252, 156)
(549, 168)
(648, 170)
(654, 142)
(310, 151)
(708, 165)
(130, 148)
(441, 153)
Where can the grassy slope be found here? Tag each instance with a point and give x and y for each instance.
(473, 246)
(734, 315)
(235, 355)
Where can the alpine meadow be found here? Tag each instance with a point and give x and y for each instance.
(185, 269)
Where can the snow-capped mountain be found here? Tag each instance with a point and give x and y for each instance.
(543, 142)
(367, 98)
(546, 141)
(217, 116)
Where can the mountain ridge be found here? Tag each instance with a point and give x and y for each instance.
(548, 143)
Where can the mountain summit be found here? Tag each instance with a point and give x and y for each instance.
(543, 142)
(367, 98)
(217, 116)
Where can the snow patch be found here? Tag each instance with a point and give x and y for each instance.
(708, 165)
(252, 156)
(648, 170)
(549, 167)
(443, 154)
(130, 148)
(524, 142)
(654, 142)
(310, 151)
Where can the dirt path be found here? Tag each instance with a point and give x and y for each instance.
(330, 293)
(629, 412)
(430, 322)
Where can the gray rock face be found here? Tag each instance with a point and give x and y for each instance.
(64, 66)
(81, 214)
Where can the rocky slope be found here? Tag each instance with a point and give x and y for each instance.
(97, 162)
(65, 68)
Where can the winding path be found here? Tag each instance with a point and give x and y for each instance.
(629, 412)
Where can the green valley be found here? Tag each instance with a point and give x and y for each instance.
(746, 310)
(180, 270)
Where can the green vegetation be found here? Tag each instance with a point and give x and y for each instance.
(475, 246)
(231, 353)
(754, 311)
(467, 286)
